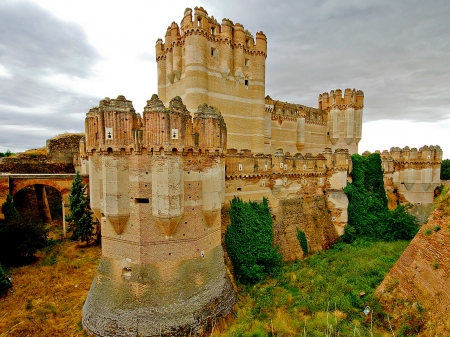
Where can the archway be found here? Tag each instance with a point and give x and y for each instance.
(41, 201)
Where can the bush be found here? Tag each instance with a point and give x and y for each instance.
(303, 241)
(445, 169)
(249, 241)
(368, 212)
(4, 283)
(20, 237)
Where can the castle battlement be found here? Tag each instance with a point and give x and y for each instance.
(413, 173)
(115, 127)
(244, 164)
(426, 154)
(353, 98)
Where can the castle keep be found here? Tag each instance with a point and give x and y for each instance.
(161, 182)
(223, 65)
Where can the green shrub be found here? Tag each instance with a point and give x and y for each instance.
(368, 212)
(4, 283)
(301, 236)
(445, 169)
(249, 241)
(20, 237)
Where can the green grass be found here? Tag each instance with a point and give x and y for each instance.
(319, 296)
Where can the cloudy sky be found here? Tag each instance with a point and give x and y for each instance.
(59, 58)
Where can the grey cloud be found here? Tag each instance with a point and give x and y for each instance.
(35, 44)
(33, 40)
(396, 52)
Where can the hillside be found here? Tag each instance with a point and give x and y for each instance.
(48, 295)
(416, 292)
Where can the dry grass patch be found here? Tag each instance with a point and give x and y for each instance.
(48, 296)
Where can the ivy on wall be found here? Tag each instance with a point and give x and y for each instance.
(368, 212)
(249, 241)
(303, 241)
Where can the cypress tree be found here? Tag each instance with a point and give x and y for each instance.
(80, 218)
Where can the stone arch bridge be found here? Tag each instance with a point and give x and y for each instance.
(11, 183)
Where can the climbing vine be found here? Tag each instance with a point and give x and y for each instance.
(249, 241)
(368, 212)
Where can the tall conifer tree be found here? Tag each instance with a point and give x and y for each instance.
(80, 217)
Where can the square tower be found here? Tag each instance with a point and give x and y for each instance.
(221, 65)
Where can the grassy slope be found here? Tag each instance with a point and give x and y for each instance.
(49, 295)
(296, 302)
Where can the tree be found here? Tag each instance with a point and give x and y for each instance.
(20, 237)
(80, 217)
(8, 208)
(445, 169)
(249, 241)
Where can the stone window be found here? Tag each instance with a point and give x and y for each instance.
(240, 167)
(246, 83)
(281, 165)
(213, 52)
(247, 62)
(213, 31)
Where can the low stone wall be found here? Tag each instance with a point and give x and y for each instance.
(64, 147)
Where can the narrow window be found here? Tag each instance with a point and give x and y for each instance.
(247, 62)
(198, 22)
(240, 167)
(246, 82)
(213, 31)
(213, 52)
(141, 200)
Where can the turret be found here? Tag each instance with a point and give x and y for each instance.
(348, 109)
(158, 193)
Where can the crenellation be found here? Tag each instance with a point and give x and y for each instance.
(413, 173)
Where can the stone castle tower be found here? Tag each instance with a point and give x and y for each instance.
(221, 65)
(157, 184)
(224, 65)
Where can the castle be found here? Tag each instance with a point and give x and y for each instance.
(160, 182)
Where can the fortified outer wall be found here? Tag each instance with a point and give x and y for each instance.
(156, 183)
(413, 173)
(300, 180)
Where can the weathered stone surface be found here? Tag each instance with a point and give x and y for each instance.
(139, 301)
(418, 286)
(308, 214)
